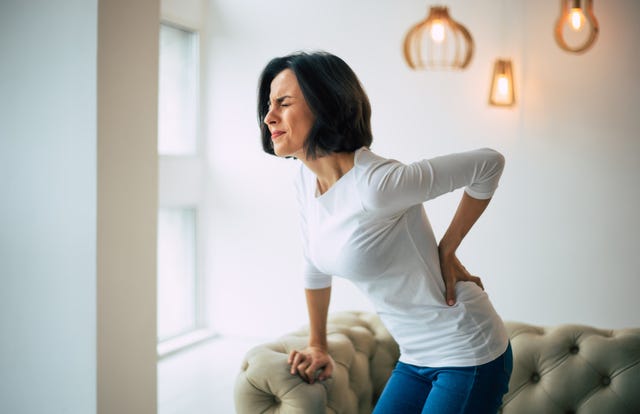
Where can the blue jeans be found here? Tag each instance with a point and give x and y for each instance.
(448, 390)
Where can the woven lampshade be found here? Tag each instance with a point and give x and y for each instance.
(577, 28)
(502, 91)
(438, 42)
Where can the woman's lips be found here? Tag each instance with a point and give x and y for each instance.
(276, 134)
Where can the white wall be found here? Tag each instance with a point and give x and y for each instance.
(48, 206)
(580, 128)
(78, 185)
(558, 242)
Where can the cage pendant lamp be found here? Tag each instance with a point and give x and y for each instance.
(438, 42)
(577, 27)
(502, 91)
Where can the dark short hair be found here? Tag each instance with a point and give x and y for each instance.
(334, 95)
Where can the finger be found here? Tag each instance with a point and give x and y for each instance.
(297, 360)
(302, 370)
(292, 354)
(311, 370)
(326, 372)
(450, 286)
(477, 281)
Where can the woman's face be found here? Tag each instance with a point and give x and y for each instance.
(289, 118)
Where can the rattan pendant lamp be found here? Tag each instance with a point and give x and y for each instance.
(577, 28)
(502, 91)
(438, 42)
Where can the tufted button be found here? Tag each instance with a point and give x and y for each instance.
(574, 349)
(606, 381)
(535, 377)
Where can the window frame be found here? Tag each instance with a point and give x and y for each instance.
(181, 185)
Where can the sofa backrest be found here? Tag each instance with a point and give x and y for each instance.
(573, 369)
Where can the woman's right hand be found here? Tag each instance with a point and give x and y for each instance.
(308, 361)
(453, 272)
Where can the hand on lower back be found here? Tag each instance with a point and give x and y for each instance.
(453, 272)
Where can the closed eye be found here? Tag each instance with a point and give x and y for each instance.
(281, 102)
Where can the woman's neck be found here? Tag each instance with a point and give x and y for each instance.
(330, 168)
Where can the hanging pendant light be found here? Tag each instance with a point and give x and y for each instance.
(502, 92)
(438, 42)
(577, 28)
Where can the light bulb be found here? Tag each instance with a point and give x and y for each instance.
(437, 31)
(577, 19)
(503, 86)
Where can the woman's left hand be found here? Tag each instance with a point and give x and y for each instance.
(453, 272)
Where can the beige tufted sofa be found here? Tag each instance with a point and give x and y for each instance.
(565, 369)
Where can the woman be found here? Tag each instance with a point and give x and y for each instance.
(362, 218)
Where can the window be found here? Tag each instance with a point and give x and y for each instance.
(178, 91)
(177, 279)
(181, 313)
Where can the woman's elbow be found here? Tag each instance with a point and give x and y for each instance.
(496, 158)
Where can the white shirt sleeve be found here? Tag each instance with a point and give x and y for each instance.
(315, 279)
(393, 185)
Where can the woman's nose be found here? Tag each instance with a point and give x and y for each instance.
(270, 118)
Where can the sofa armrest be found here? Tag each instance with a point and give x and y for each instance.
(362, 349)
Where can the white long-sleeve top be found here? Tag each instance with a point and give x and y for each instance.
(371, 227)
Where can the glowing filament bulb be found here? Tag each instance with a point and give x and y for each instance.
(503, 85)
(576, 18)
(437, 31)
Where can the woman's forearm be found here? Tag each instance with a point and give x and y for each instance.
(468, 212)
(318, 307)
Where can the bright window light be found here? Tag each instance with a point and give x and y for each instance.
(178, 92)
(177, 295)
